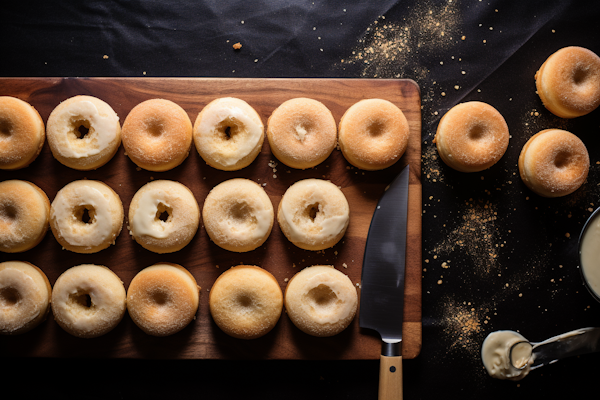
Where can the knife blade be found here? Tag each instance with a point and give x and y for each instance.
(382, 282)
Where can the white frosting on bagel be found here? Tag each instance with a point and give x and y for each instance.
(328, 221)
(103, 129)
(75, 231)
(163, 216)
(261, 221)
(145, 221)
(227, 130)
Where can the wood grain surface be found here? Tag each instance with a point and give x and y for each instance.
(202, 339)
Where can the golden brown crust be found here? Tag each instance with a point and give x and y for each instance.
(24, 215)
(302, 133)
(472, 137)
(568, 82)
(554, 163)
(373, 134)
(22, 133)
(163, 299)
(246, 302)
(157, 135)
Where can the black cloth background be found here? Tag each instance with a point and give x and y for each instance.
(516, 267)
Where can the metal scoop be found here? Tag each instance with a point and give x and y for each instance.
(574, 343)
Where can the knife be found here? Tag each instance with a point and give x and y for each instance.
(382, 282)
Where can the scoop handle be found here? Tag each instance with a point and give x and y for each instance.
(390, 378)
(574, 343)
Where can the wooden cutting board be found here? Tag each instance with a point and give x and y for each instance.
(202, 339)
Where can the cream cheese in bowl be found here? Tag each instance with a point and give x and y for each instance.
(589, 254)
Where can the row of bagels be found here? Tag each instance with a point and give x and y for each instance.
(84, 133)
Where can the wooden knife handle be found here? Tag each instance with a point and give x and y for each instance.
(390, 378)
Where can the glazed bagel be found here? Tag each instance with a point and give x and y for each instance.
(228, 134)
(568, 82)
(554, 163)
(302, 133)
(24, 215)
(88, 300)
(22, 133)
(472, 137)
(313, 214)
(157, 135)
(86, 216)
(246, 302)
(238, 215)
(24, 297)
(163, 216)
(163, 299)
(373, 134)
(321, 301)
(83, 133)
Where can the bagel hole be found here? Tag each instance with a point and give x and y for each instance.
(376, 128)
(86, 214)
(476, 132)
(164, 212)
(82, 128)
(322, 295)
(240, 212)
(561, 160)
(244, 300)
(85, 217)
(81, 299)
(160, 298)
(312, 211)
(228, 128)
(6, 127)
(8, 212)
(580, 75)
(9, 296)
(155, 128)
(302, 131)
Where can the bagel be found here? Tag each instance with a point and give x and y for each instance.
(25, 294)
(321, 301)
(228, 134)
(373, 134)
(157, 135)
(24, 215)
(313, 214)
(83, 133)
(238, 215)
(302, 133)
(568, 82)
(554, 163)
(471, 137)
(22, 133)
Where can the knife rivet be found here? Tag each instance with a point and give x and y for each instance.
(392, 369)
